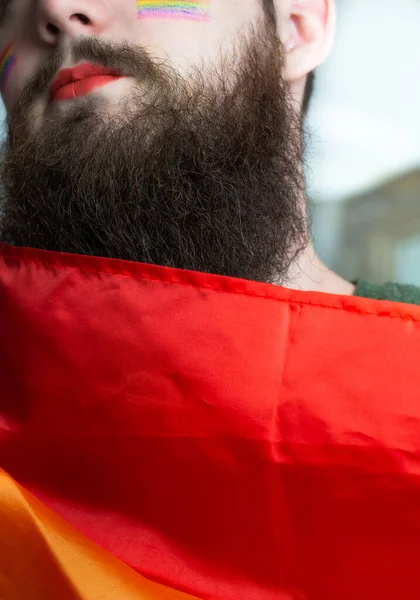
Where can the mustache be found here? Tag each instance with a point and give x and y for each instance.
(129, 59)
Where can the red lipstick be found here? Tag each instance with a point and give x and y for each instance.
(80, 80)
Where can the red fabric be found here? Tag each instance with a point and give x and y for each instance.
(231, 439)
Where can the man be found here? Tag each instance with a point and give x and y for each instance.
(187, 389)
(235, 206)
(255, 224)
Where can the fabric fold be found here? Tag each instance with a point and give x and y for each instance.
(43, 558)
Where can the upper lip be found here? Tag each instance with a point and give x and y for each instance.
(82, 71)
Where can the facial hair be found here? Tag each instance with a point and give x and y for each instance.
(203, 173)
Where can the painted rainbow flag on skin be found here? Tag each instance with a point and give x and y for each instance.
(7, 60)
(173, 9)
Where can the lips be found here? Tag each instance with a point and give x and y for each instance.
(66, 83)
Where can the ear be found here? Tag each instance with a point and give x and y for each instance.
(307, 32)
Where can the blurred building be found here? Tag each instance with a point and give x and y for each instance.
(376, 234)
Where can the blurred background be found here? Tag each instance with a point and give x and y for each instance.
(363, 158)
(363, 154)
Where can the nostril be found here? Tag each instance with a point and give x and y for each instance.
(82, 18)
(53, 29)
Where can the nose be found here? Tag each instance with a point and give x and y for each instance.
(57, 19)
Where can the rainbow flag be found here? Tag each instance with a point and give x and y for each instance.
(173, 9)
(7, 60)
(59, 562)
(168, 434)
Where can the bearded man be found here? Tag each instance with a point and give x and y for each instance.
(193, 405)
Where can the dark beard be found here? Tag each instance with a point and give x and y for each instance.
(203, 175)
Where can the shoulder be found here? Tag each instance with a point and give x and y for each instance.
(396, 292)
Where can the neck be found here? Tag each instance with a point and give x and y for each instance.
(309, 274)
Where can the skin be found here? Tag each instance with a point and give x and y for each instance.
(7, 62)
(36, 27)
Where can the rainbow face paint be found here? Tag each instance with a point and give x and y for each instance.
(7, 61)
(173, 9)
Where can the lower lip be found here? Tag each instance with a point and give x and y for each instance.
(82, 87)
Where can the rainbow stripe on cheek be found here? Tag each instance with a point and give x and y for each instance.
(7, 61)
(173, 9)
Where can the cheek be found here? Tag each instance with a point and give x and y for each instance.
(16, 68)
(177, 9)
(7, 66)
